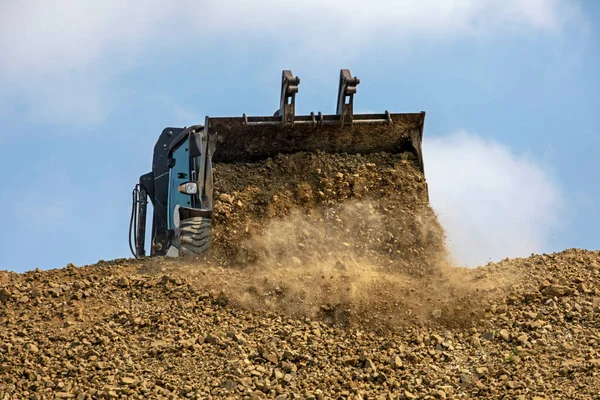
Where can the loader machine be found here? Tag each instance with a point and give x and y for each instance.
(181, 183)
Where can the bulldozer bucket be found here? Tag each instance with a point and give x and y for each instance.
(247, 139)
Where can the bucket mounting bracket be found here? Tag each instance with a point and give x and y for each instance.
(287, 103)
(346, 92)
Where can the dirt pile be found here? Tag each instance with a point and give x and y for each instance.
(374, 206)
(146, 329)
(328, 280)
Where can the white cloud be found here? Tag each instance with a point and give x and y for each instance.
(357, 18)
(492, 202)
(56, 56)
(48, 37)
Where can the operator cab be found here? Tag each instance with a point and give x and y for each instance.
(174, 188)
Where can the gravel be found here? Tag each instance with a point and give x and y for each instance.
(310, 305)
(164, 336)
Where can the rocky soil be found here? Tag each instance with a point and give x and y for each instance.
(146, 329)
(327, 280)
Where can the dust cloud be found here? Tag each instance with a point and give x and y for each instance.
(346, 239)
(313, 267)
(494, 203)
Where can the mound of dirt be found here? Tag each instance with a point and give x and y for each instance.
(328, 279)
(151, 329)
(374, 206)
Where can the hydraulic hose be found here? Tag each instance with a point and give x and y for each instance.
(135, 194)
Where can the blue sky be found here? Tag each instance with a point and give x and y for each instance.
(510, 89)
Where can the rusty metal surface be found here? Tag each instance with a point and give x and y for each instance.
(253, 138)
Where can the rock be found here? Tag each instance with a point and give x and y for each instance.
(465, 379)
(128, 380)
(232, 334)
(5, 295)
(32, 348)
(350, 361)
(557, 291)
(438, 339)
(396, 362)
(447, 344)
(123, 282)
(505, 335)
(289, 367)
(225, 198)
(595, 362)
(229, 384)
(594, 266)
(512, 385)
(64, 395)
(212, 339)
(257, 394)
(277, 374)
(271, 357)
(159, 344)
(370, 365)
(409, 395)
(569, 364)
(187, 343)
(246, 381)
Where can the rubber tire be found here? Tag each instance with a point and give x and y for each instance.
(194, 236)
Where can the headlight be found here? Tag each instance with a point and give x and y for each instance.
(188, 188)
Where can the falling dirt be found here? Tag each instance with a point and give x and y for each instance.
(347, 239)
(391, 215)
(308, 266)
